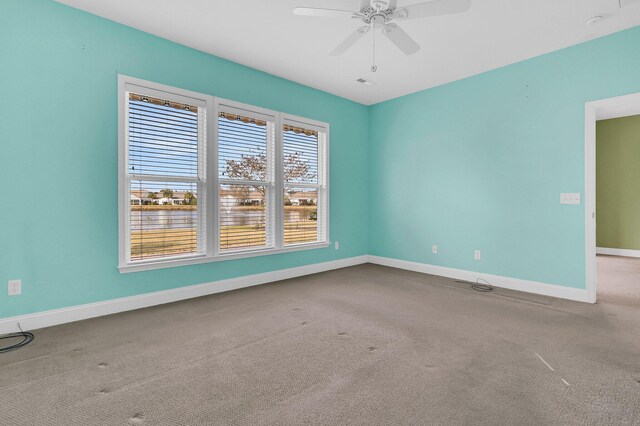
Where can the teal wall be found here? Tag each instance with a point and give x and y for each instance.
(475, 164)
(480, 164)
(618, 183)
(58, 154)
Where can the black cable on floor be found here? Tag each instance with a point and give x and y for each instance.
(27, 338)
(478, 286)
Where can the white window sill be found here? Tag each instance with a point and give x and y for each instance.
(194, 260)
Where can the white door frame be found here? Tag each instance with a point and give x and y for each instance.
(620, 106)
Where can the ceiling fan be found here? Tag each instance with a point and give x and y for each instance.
(379, 14)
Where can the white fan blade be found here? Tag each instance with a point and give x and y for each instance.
(324, 13)
(401, 39)
(350, 41)
(434, 8)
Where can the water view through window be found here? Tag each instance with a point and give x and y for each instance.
(165, 215)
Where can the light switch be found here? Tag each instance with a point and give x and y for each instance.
(570, 198)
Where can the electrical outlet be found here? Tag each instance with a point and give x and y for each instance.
(15, 287)
(434, 249)
(476, 255)
(336, 245)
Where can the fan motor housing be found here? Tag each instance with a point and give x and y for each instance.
(379, 4)
(378, 18)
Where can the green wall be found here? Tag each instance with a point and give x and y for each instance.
(618, 183)
(480, 164)
(58, 154)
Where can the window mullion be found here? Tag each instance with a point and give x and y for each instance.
(204, 139)
(323, 210)
(304, 185)
(127, 218)
(278, 202)
(224, 181)
(163, 178)
(213, 216)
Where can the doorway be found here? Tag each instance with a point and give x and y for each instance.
(622, 106)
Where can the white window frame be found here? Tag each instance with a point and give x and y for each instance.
(225, 105)
(208, 190)
(323, 174)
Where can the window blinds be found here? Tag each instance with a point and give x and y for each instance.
(164, 170)
(203, 179)
(304, 187)
(245, 169)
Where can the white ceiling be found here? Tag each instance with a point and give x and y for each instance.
(264, 34)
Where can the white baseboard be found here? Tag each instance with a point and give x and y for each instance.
(108, 307)
(97, 309)
(545, 289)
(617, 252)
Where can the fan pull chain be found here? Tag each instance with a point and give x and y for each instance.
(374, 67)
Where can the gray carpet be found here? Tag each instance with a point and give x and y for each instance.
(364, 345)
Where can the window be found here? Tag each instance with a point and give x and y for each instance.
(304, 183)
(246, 179)
(164, 172)
(204, 179)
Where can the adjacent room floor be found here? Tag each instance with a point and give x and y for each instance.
(618, 280)
(362, 345)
